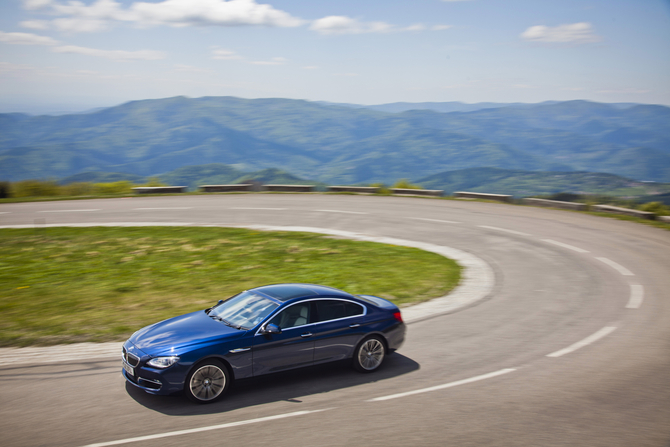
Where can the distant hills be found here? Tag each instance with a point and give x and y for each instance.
(442, 107)
(339, 144)
(455, 106)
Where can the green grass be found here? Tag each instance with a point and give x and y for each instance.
(651, 223)
(65, 285)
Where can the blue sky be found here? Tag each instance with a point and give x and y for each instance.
(62, 55)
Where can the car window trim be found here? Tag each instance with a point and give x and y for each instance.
(365, 312)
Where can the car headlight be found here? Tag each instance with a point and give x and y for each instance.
(163, 362)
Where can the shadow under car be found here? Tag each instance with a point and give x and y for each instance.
(281, 386)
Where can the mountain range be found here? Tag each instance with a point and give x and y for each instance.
(339, 144)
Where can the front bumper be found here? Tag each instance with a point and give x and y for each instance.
(153, 380)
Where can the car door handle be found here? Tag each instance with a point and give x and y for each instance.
(354, 325)
(307, 334)
(235, 351)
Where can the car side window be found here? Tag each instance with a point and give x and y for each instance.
(354, 309)
(334, 309)
(293, 316)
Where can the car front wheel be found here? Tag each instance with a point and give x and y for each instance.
(207, 382)
(369, 355)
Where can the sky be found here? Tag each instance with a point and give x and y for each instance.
(63, 56)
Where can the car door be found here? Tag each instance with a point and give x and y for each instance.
(292, 348)
(338, 327)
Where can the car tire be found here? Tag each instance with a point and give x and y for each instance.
(207, 382)
(369, 354)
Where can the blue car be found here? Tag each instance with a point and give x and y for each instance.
(261, 331)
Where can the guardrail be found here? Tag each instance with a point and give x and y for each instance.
(555, 204)
(359, 189)
(480, 195)
(159, 189)
(624, 211)
(417, 192)
(225, 188)
(663, 218)
(289, 188)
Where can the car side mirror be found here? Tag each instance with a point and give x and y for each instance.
(272, 329)
(220, 302)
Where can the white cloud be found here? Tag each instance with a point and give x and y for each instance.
(118, 55)
(221, 54)
(79, 17)
(26, 39)
(35, 24)
(213, 12)
(76, 16)
(7, 67)
(415, 27)
(79, 25)
(348, 25)
(571, 33)
(100, 9)
(36, 4)
(273, 61)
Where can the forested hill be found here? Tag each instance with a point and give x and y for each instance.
(337, 144)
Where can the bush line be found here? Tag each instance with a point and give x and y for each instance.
(32, 189)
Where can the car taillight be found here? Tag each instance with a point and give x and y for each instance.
(397, 316)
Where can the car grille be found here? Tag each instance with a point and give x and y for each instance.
(131, 359)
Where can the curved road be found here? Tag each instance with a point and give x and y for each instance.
(571, 347)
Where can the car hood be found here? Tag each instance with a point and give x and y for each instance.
(179, 332)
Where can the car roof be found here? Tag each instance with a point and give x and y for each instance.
(285, 292)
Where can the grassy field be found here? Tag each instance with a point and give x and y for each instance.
(65, 285)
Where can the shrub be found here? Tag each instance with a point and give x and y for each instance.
(656, 207)
(77, 189)
(383, 189)
(405, 184)
(120, 187)
(34, 188)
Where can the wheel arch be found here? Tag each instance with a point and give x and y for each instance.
(222, 360)
(370, 335)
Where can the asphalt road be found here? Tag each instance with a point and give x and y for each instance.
(571, 348)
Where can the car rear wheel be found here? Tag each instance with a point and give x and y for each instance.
(370, 354)
(207, 382)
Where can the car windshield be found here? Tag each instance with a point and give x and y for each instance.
(243, 311)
